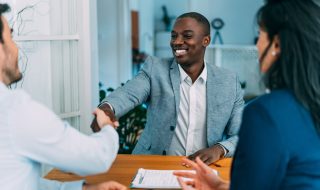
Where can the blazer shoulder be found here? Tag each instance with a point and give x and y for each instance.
(225, 76)
(222, 71)
(276, 97)
(284, 110)
(276, 102)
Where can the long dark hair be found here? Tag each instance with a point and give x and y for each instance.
(297, 24)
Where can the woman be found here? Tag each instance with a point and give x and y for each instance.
(279, 139)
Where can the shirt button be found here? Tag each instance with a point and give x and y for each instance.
(172, 128)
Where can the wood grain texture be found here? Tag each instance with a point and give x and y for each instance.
(125, 167)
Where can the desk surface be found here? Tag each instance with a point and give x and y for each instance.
(126, 166)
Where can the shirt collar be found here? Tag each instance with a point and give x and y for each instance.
(185, 77)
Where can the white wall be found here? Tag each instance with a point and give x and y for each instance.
(114, 41)
(107, 42)
(134, 5)
(57, 42)
(174, 7)
(89, 96)
(146, 26)
(37, 75)
(239, 18)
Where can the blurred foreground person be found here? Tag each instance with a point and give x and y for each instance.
(30, 134)
(279, 138)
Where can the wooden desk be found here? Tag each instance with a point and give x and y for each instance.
(126, 166)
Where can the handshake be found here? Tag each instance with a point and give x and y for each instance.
(104, 115)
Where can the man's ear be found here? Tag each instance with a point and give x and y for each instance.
(206, 41)
(2, 53)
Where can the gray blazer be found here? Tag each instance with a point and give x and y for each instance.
(158, 84)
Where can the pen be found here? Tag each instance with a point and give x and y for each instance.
(141, 179)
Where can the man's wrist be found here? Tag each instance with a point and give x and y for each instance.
(223, 150)
(106, 106)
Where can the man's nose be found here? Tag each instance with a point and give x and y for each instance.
(178, 40)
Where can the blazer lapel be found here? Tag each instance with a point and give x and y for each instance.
(175, 81)
(212, 103)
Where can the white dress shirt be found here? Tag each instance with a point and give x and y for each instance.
(30, 134)
(191, 131)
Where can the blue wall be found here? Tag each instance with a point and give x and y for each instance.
(238, 16)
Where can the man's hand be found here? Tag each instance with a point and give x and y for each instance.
(110, 185)
(108, 111)
(103, 119)
(208, 155)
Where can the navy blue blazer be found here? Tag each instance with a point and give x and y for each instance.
(278, 148)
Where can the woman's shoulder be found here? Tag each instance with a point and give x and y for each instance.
(281, 107)
(277, 105)
(275, 99)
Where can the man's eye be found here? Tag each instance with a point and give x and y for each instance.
(173, 36)
(187, 36)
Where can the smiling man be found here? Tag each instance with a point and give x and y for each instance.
(194, 107)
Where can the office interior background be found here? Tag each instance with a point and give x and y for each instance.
(71, 49)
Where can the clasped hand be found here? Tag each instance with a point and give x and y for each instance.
(103, 116)
(208, 155)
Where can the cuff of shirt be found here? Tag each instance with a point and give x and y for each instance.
(102, 103)
(73, 185)
(224, 149)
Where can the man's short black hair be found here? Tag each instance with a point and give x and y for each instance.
(199, 18)
(3, 8)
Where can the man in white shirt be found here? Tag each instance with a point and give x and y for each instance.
(30, 134)
(194, 107)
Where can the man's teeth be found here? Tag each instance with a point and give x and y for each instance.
(180, 52)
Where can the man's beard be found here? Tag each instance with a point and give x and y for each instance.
(13, 74)
(16, 78)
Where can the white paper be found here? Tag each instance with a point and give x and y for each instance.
(163, 179)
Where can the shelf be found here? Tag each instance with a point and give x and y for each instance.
(230, 46)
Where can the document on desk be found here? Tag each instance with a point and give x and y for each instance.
(157, 179)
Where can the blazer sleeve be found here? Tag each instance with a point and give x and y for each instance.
(261, 158)
(134, 92)
(234, 122)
